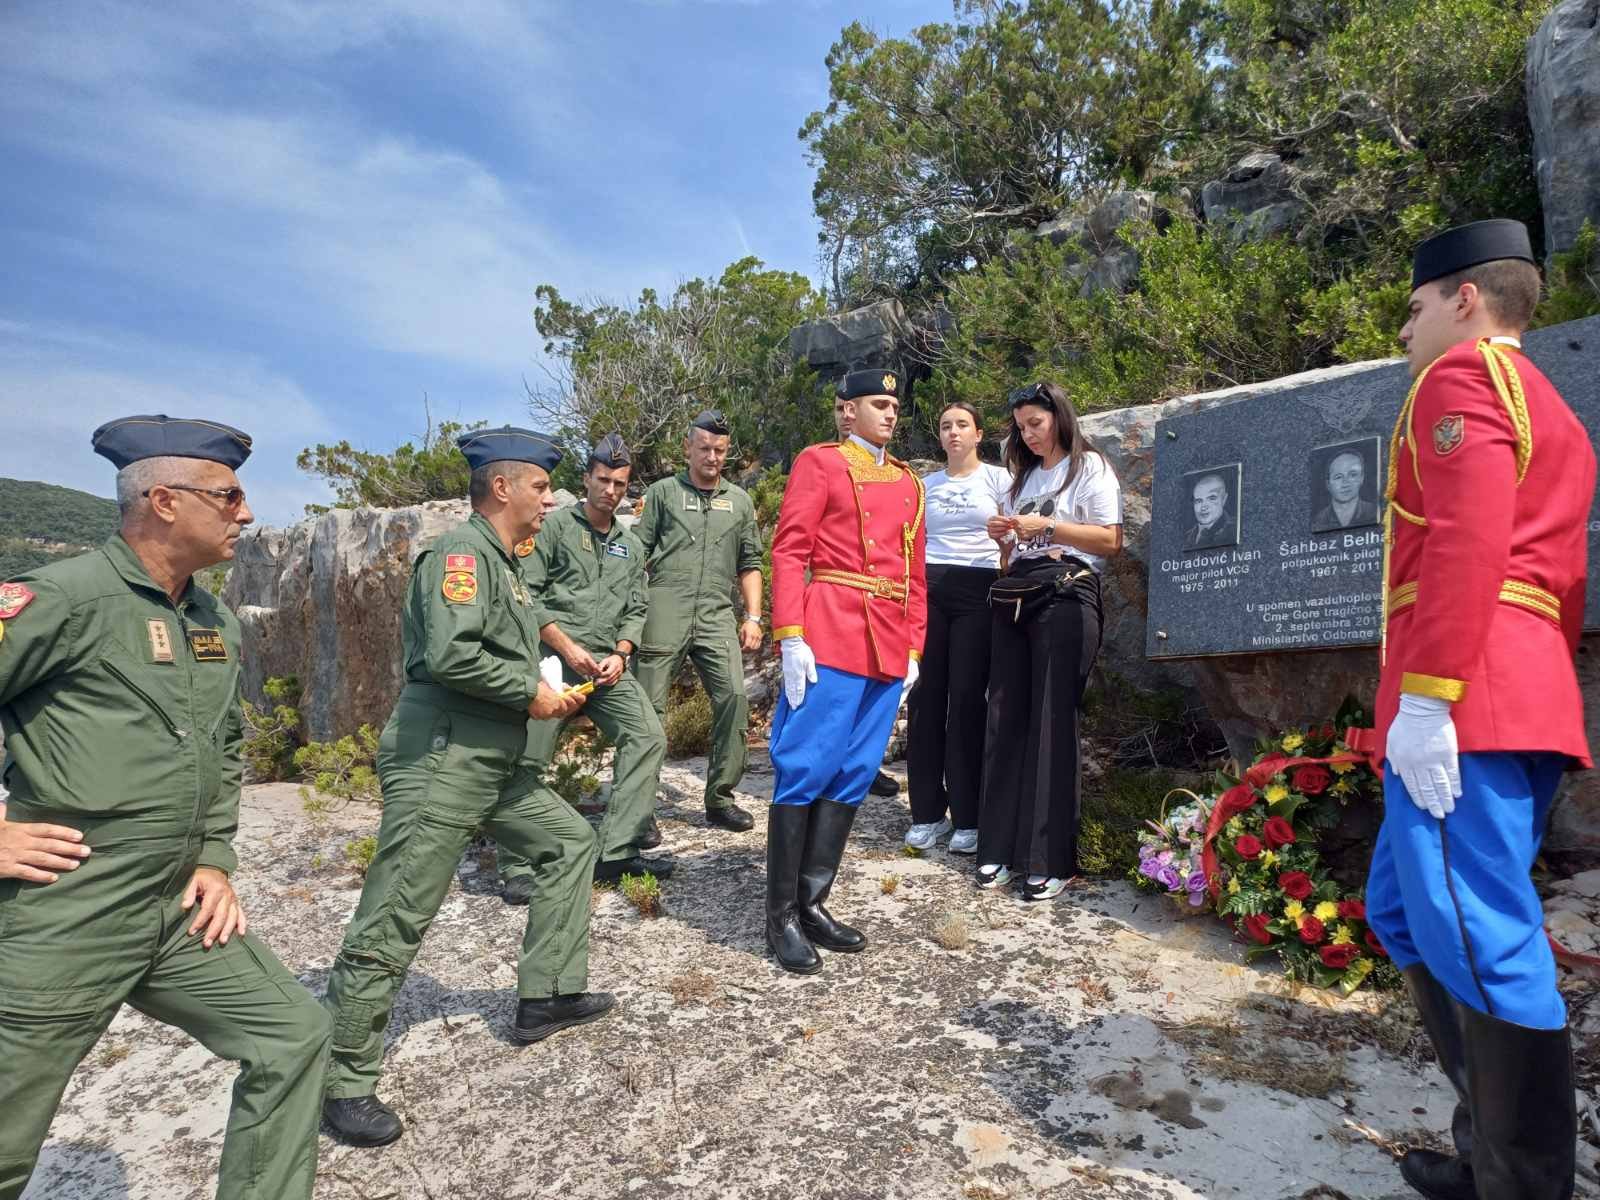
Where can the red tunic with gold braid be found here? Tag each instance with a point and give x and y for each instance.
(857, 527)
(1489, 485)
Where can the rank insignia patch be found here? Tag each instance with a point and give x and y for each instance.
(460, 587)
(1449, 432)
(888, 384)
(207, 645)
(523, 548)
(160, 640)
(722, 504)
(463, 562)
(13, 599)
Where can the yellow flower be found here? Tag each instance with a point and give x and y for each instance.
(1343, 786)
(1268, 858)
(1344, 936)
(1342, 768)
(1233, 887)
(1294, 910)
(1326, 911)
(1276, 792)
(1233, 828)
(1293, 742)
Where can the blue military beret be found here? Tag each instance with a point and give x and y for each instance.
(868, 383)
(508, 444)
(1468, 246)
(712, 421)
(132, 439)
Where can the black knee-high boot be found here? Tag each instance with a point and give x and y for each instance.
(1524, 1115)
(825, 841)
(1442, 1176)
(786, 843)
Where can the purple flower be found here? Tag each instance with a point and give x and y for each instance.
(1170, 879)
(1146, 852)
(1196, 899)
(1165, 858)
(1149, 868)
(1197, 882)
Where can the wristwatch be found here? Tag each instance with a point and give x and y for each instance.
(756, 617)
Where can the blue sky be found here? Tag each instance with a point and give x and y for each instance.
(299, 217)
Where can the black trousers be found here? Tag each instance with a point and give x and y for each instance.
(946, 712)
(1037, 674)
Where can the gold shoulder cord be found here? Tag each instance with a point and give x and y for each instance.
(909, 534)
(1508, 386)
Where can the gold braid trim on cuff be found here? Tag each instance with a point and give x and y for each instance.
(1436, 686)
(787, 631)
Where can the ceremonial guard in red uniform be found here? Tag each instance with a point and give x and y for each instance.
(850, 639)
(1490, 481)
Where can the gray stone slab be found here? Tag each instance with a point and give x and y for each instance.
(1247, 550)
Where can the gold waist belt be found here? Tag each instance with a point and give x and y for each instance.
(1513, 591)
(886, 589)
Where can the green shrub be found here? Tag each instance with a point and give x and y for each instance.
(688, 723)
(343, 769)
(1113, 810)
(644, 893)
(1572, 284)
(574, 772)
(270, 733)
(359, 853)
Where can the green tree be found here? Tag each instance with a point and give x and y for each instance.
(645, 369)
(409, 474)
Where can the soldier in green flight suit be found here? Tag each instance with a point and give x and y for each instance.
(700, 537)
(587, 575)
(451, 759)
(119, 697)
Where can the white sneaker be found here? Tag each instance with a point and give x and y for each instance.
(964, 841)
(991, 876)
(923, 837)
(1038, 888)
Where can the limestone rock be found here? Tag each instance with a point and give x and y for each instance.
(1255, 199)
(1563, 88)
(862, 337)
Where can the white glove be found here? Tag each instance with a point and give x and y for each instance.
(799, 669)
(550, 672)
(1422, 751)
(913, 669)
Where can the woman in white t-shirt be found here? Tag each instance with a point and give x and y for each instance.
(947, 708)
(1062, 517)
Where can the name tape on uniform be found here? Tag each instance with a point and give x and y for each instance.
(207, 645)
(722, 504)
(618, 550)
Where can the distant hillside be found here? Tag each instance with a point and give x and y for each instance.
(40, 522)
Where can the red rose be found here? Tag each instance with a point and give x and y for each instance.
(1353, 910)
(1338, 957)
(1327, 732)
(1247, 847)
(1279, 833)
(1375, 945)
(1235, 801)
(1256, 927)
(1312, 780)
(1311, 930)
(1295, 884)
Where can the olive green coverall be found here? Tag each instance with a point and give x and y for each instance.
(451, 761)
(122, 720)
(697, 546)
(592, 585)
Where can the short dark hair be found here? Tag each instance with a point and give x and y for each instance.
(483, 477)
(1510, 289)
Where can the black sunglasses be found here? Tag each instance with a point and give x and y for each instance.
(1047, 509)
(1026, 395)
(231, 497)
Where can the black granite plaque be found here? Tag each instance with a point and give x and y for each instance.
(1266, 525)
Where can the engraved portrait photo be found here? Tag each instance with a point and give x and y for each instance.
(1210, 507)
(1344, 485)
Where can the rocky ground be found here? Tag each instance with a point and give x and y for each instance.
(1102, 1046)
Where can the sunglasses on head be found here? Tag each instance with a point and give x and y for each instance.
(1027, 395)
(231, 497)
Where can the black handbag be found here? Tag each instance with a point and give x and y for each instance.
(1039, 583)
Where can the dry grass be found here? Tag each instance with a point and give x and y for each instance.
(1227, 1049)
(888, 884)
(951, 931)
(1095, 991)
(695, 987)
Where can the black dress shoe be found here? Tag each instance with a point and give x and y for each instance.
(652, 836)
(730, 817)
(517, 890)
(884, 785)
(362, 1121)
(1439, 1176)
(538, 1019)
(616, 868)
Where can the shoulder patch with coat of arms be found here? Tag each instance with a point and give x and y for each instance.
(14, 597)
(460, 587)
(1449, 431)
(523, 548)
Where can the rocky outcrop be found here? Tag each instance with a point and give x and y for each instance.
(1099, 258)
(1563, 88)
(855, 340)
(1255, 200)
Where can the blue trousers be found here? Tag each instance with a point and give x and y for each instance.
(832, 745)
(1455, 894)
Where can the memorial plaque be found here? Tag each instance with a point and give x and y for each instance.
(1266, 526)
